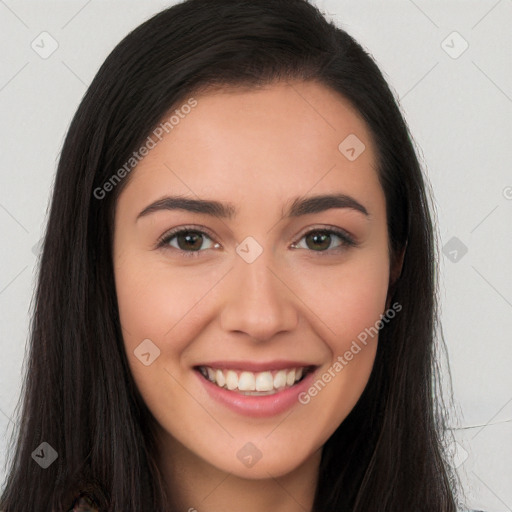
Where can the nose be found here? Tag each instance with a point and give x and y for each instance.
(259, 301)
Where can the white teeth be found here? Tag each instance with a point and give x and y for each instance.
(219, 378)
(264, 381)
(246, 381)
(253, 383)
(280, 379)
(290, 377)
(231, 380)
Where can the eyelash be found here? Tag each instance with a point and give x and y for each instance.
(346, 240)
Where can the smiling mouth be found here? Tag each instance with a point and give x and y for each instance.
(255, 383)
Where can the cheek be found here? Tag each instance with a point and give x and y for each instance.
(166, 306)
(158, 305)
(361, 300)
(349, 301)
(153, 299)
(346, 298)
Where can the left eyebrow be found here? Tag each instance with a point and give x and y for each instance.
(299, 206)
(317, 204)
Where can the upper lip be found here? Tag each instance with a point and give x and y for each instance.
(253, 366)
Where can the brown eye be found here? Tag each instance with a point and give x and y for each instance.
(320, 240)
(190, 242)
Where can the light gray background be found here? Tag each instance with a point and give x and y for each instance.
(460, 114)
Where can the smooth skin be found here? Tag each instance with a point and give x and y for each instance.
(301, 299)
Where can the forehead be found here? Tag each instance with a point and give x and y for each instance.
(252, 146)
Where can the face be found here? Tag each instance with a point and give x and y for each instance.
(272, 286)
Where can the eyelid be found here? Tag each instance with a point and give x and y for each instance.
(342, 233)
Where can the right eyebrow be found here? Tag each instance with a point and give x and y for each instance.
(204, 206)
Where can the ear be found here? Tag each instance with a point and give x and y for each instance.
(395, 272)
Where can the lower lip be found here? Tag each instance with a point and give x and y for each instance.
(257, 406)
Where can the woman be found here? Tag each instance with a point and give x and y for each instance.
(290, 363)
